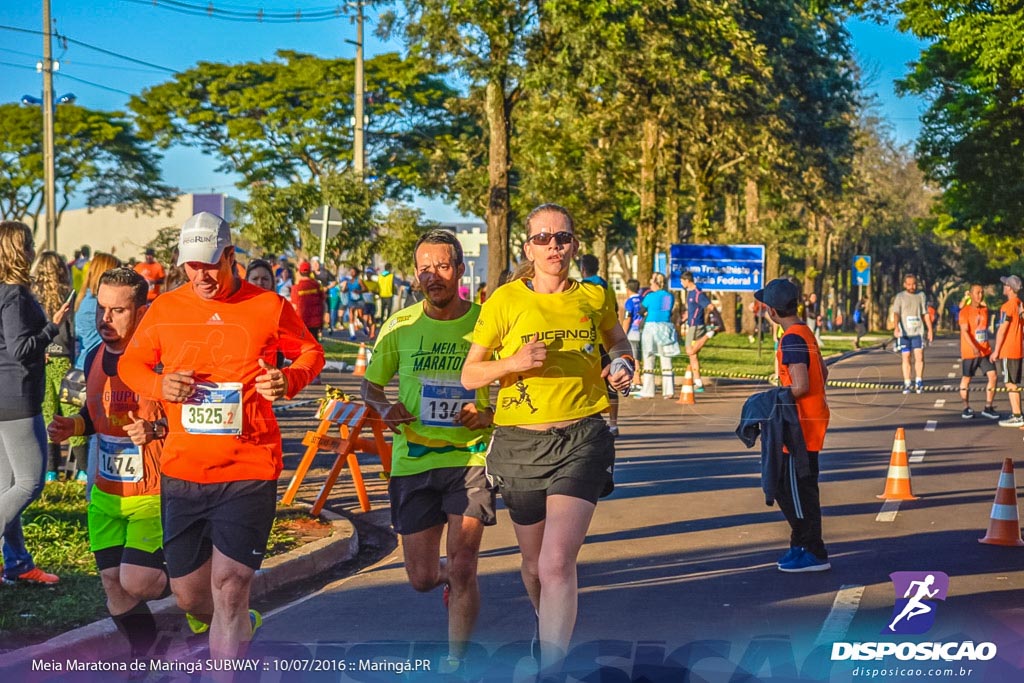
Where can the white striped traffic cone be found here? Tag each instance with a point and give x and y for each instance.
(1004, 522)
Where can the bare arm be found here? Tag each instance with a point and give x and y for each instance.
(801, 380)
(1000, 338)
(393, 414)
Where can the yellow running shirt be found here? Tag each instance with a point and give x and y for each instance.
(569, 384)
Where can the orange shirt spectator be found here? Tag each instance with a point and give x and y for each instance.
(153, 272)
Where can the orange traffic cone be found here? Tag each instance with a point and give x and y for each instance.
(686, 397)
(1004, 524)
(360, 361)
(897, 484)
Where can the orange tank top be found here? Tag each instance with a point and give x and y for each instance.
(812, 406)
(124, 469)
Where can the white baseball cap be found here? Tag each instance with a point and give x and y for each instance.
(203, 238)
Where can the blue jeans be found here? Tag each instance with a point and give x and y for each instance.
(17, 559)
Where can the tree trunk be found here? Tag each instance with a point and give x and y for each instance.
(728, 301)
(751, 205)
(498, 216)
(646, 228)
(748, 325)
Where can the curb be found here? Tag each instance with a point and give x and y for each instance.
(276, 573)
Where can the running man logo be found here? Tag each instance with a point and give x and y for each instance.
(524, 398)
(914, 611)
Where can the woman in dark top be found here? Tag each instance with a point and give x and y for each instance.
(24, 336)
(52, 286)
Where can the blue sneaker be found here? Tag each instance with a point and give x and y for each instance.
(919, 387)
(791, 554)
(256, 620)
(51, 476)
(805, 562)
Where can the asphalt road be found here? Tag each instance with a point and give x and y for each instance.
(683, 553)
(677, 576)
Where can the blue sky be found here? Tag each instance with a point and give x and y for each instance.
(176, 41)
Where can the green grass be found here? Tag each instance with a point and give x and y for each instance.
(727, 354)
(56, 533)
(341, 350)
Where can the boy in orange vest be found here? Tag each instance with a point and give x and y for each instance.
(802, 369)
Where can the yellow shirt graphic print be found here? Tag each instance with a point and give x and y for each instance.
(570, 323)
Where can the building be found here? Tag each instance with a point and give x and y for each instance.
(473, 237)
(126, 233)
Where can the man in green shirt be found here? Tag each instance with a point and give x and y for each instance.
(441, 436)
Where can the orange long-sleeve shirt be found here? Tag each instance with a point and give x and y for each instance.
(222, 342)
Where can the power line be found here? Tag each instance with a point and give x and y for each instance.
(19, 52)
(17, 66)
(88, 46)
(253, 15)
(95, 85)
(76, 63)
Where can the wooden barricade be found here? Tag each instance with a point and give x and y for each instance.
(350, 418)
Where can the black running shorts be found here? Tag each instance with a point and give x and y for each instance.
(421, 501)
(971, 365)
(235, 517)
(527, 465)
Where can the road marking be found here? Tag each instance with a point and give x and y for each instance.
(917, 456)
(888, 512)
(939, 403)
(839, 618)
(951, 375)
(956, 365)
(930, 425)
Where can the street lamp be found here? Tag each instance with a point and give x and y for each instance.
(49, 170)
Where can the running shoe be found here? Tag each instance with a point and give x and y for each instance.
(790, 555)
(1012, 421)
(256, 619)
(907, 389)
(33, 577)
(967, 414)
(197, 627)
(449, 665)
(990, 413)
(82, 477)
(698, 389)
(51, 476)
(805, 562)
(919, 387)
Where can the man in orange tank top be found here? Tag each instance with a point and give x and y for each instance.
(802, 369)
(216, 340)
(124, 502)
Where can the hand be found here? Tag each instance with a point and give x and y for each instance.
(472, 418)
(397, 415)
(272, 384)
(60, 429)
(61, 313)
(621, 380)
(931, 337)
(530, 356)
(139, 431)
(178, 387)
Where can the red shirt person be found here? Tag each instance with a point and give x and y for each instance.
(153, 272)
(308, 299)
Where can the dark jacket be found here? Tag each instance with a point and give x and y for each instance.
(24, 336)
(63, 345)
(772, 414)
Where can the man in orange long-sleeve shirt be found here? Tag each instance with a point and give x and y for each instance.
(217, 340)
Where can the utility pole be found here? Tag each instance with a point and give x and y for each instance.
(359, 153)
(49, 174)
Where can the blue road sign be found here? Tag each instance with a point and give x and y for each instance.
(719, 267)
(862, 270)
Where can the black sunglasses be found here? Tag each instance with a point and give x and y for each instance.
(544, 238)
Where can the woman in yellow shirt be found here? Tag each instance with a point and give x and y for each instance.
(552, 455)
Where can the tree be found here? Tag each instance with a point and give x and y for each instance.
(285, 127)
(972, 71)
(486, 43)
(398, 230)
(98, 156)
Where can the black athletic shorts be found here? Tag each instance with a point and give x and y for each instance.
(235, 517)
(115, 556)
(972, 365)
(1010, 370)
(421, 501)
(527, 466)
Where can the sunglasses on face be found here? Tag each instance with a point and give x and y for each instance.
(544, 238)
